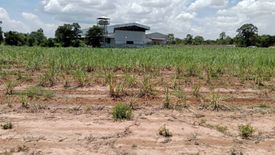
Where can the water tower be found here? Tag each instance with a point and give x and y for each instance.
(103, 22)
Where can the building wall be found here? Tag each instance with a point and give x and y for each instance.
(122, 36)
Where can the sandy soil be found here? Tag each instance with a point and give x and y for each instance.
(79, 121)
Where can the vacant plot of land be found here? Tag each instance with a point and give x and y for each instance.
(183, 101)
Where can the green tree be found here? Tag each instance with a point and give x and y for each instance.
(15, 39)
(198, 40)
(265, 41)
(94, 36)
(222, 36)
(50, 42)
(171, 39)
(228, 40)
(1, 35)
(68, 35)
(247, 35)
(37, 38)
(189, 39)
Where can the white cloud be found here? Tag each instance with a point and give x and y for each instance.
(35, 23)
(10, 24)
(199, 4)
(258, 12)
(199, 17)
(160, 15)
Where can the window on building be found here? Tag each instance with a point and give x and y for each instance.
(129, 42)
(108, 40)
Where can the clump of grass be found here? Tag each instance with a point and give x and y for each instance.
(37, 92)
(246, 131)
(9, 87)
(167, 102)
(116, 89)
(146, 87)
(81, 77)
(181, 99)
(215, 103)
(163, 131)
(130, 81)
(48, 79)
(7, 126)
(192, 70)
(24, 102)
(264, 106)
(196, 91)
(222, 129)
(122, 111)
(109, 79)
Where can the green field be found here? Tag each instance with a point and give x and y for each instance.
(243, 63)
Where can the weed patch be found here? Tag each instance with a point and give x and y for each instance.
(122, 111)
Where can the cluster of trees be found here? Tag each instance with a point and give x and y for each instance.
(70, 35)
(247, 35)
(36, 38)
(66, 35)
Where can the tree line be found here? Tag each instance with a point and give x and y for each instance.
(67, 35)
(70, 35)
(247, 36)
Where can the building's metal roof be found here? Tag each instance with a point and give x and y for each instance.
(157, 36)
(111, 28)
(131, 24)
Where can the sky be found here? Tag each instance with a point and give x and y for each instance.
(207, 18)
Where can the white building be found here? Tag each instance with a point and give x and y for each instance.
(126, 35)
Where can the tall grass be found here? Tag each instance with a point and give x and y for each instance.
(256, 64)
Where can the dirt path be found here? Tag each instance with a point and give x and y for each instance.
(69, 129)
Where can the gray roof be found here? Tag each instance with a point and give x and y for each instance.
(131, 24)
(157, 35)
(111, 28)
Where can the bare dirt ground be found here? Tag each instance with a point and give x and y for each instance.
(79, 121)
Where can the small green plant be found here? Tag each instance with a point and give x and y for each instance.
(163, 131)
(167, 103)
(196, 91)
(24, 102)
(81, 77)
(222, 129)
(117, 90)
(7, 126)
(122, 111)
(146, 87)
(9, 87)
(192, 70)
(181, 99)
(47, 80)
(130, 81)
(36, 92)
(264, 106)
(215, 103)
(246, 131)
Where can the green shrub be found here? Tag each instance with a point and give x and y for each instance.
(122, 111)
(7, 126)
(246, 131)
